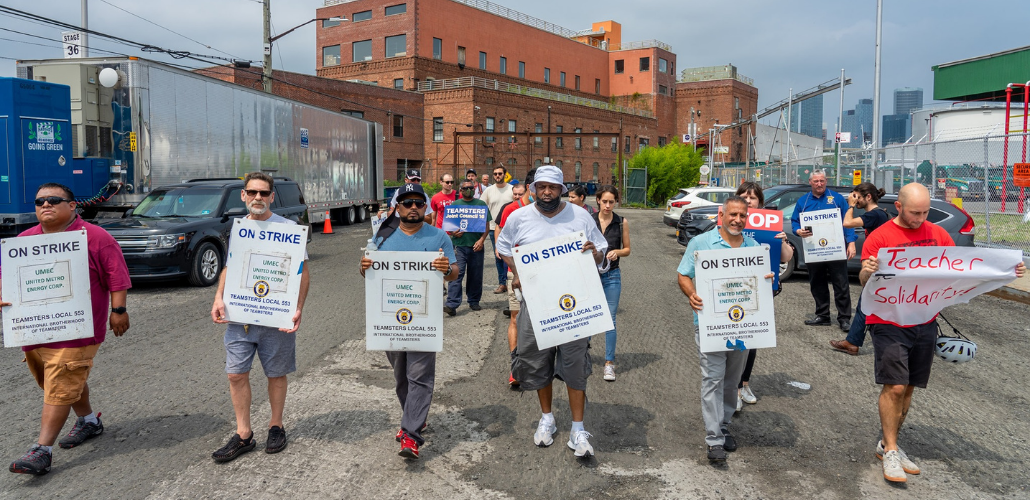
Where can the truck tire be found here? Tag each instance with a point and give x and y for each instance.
(362, 214)
(348, 216)
(206, 265)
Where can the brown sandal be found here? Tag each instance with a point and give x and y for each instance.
(844, 346)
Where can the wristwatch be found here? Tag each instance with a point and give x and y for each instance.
(118, 310)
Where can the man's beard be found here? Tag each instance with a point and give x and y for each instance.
(733, 232)
(257, 211)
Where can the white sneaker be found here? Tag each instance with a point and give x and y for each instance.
(892, 470)
(544, 435)
(740, 404)
(747, 395)
(578, 442)
(909, 466)
(609, 372)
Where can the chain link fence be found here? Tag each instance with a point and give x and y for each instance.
(974, 174)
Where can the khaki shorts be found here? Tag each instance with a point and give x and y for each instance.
(61, 373)
(513, 303)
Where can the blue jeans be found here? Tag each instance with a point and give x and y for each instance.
(470, 264)
(856, 335)
(502, 268)
(611, 281)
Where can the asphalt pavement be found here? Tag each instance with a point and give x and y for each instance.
(165, 403)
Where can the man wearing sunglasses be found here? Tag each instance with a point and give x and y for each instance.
(440, 200)
(61, 368)
(414, 372)
(276, 347)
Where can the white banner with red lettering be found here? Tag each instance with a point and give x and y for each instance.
(913, 284)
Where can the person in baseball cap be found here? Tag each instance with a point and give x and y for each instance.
(413, 175)
(411, 178)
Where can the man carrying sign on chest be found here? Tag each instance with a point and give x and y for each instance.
(903, 353)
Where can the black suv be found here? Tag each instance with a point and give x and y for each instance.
(182, 230)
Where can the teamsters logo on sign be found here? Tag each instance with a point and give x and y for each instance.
(823, 242)
(261, 288)
(404, 316)
(736, 314)
(567, 302)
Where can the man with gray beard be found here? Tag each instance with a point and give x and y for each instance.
(275, 347)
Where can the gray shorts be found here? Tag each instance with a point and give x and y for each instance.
(277, 350)
(536, 368)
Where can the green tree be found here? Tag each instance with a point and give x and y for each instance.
(669, 168)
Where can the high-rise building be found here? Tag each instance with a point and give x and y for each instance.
(806, 117)
(907, 100)
(849, 123)
(896, 129)
(864, 117)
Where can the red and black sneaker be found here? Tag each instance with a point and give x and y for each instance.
(400, 433)
(37, 462)
(81, 431)
(409, 448)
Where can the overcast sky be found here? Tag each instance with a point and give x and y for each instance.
(780, 44)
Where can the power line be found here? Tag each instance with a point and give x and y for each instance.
(52, 40)
(169, 29)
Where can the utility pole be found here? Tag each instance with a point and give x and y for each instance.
(840, 123)
(693, 130)
(790, 100)
(85, 26)
(266, 69)
(876, 83)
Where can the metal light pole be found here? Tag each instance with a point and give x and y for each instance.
(876, 83)
(840, 123)
(790, 100)
(266, 66)
(83, 46)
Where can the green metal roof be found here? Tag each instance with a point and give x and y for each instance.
(981, 78)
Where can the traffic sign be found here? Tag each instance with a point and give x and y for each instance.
(843, 137)
(1021, 174)
(856, 177)
(705, 169)
(686, 138)
(72, 44)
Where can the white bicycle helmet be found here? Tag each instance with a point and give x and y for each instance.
(955, 350)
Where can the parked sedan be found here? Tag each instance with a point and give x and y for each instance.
(691, 198)
(954, 220)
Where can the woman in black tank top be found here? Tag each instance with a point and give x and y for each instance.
(616, 233)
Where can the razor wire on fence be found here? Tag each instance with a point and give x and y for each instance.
(977, 175)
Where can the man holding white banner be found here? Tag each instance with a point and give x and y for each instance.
(62, 368)
(414, 372)
(534, 367)
(902, 317)
(276, 347)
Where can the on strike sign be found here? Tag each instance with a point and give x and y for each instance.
(403, 303)
(913, 284)
(263, 272)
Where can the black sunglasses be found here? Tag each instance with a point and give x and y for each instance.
(255, 192)
(52, 200)
(448, 182)
(412, 203)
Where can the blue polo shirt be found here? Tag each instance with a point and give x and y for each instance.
(710, 240)
(427, 239)
(809, 202)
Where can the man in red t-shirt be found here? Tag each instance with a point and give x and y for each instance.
(61, 368)
(903, 354)
(445, 197)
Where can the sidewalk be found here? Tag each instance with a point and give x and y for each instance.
(1018, 290)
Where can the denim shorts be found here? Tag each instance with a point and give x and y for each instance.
(277, 350)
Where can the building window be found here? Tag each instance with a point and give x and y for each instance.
(398, 83)
(538, 128)
(645, 64)
(736, 103)
(396, 9)
(437, 129)
(579, 171)
(661, 141)
(577, 82)
(597, 140)
(362, 50)
(328, 23)
(437, 48)
(364, 15)
(597, 85)
(663, 65)
(511, 163)
(513, 126)
(489, 128)
(355, 114)
(627, 146)
(461, 57)
(331, 55)
(522, 69)
(537, 163)
(560, 167)
(643, 143)
(504, 66)
(562, 79)
(489, 161)
(482, 60)
(398, 126)
(597, 170)
(615, 144)
(578, 141)
(620, 66)
(547, 75)
(396, 46)
(558, 140)
(672, 68)
(663, 90)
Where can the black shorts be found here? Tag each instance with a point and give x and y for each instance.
(903, 356)
(536, 368)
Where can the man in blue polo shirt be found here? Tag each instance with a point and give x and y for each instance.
(720, 371)
(835, 272)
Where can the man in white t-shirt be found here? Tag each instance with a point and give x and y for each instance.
(495, 197)
(535, 368)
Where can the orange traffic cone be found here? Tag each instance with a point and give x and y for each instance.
(328, 227)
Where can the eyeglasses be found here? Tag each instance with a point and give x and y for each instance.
(498, 174)
(412, 203)
(448, 182)
(255, 192)
(53, 200)
(468, 188)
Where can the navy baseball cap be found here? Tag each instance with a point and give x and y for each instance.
(413, 174)
(407, 189)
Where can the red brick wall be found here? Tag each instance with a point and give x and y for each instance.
(715, 100)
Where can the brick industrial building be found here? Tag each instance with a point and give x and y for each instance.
(469, 84)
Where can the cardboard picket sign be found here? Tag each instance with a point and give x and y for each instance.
(465, 218)
(403, 302)
(827, 241)
(913, 284)
(263, 272)
(737, 311)
(763, 226)
(46, 280)
(562, 290)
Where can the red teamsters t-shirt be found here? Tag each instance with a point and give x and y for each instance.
(440, 201)
(891, 235)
